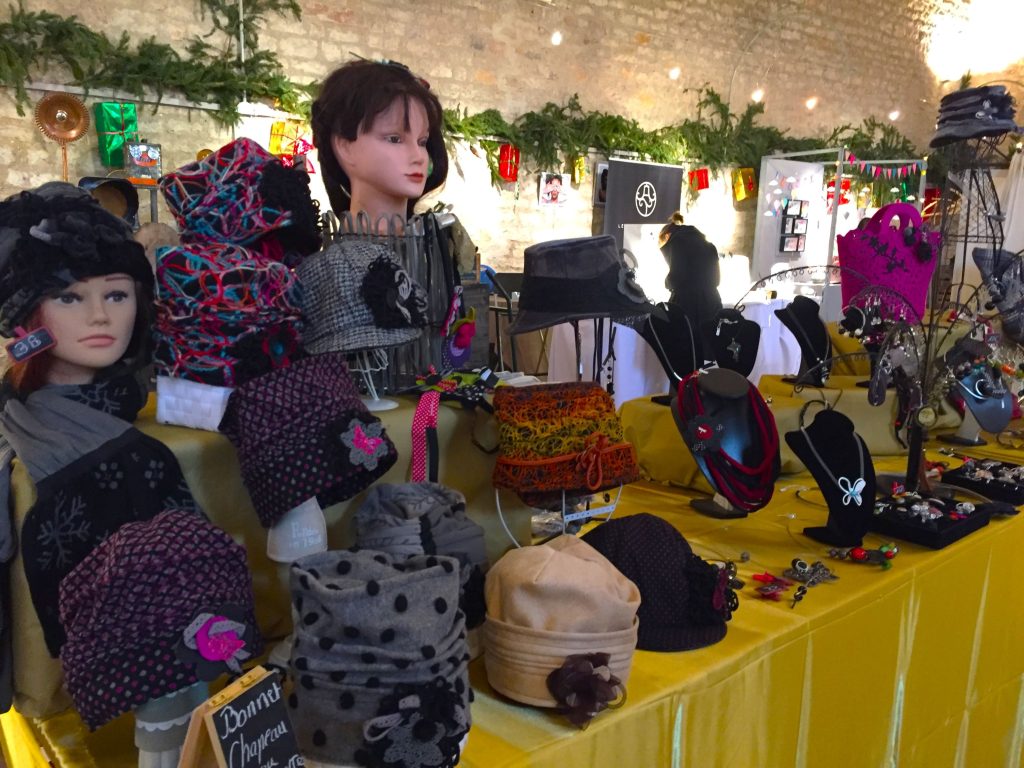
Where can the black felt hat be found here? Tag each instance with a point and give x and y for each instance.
(684, 601)
(54, 236)
(575, 279)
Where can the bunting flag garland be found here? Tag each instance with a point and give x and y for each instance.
(875, 171)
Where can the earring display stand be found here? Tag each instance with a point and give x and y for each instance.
(968, 434)
(367, 363)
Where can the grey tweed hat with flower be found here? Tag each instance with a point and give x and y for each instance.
(358, 297)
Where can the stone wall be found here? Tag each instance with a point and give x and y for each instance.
(859, 59)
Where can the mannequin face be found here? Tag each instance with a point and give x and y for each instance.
(92, 323)
(387, 165)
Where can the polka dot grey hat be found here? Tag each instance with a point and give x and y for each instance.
(379, 660)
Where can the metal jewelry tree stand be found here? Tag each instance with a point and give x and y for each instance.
(970, 217)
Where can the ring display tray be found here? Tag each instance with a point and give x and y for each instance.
(935, 534)
(999, 481)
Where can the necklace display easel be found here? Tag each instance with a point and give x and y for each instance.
(732, 435)
(840, 463)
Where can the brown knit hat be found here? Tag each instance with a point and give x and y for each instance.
(548, 602)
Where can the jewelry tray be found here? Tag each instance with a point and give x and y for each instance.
(934, 534)
(991, 488)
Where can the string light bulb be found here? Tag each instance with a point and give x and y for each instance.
(757, 96)
(894, 115)
(673, 74)
(556, 38)
(812, 102)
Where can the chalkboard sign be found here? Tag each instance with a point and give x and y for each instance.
(244, 726)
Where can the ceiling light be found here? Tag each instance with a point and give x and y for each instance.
(674, 73)
(757, 95)
(556, 38)
(812, 102)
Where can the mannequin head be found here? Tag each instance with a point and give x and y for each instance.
(71, 267)
(378, 129)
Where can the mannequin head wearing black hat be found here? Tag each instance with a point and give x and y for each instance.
(378, 128)
(72, 268)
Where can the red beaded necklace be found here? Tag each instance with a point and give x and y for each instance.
(748, 488)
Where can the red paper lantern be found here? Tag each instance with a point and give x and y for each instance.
(699, 179)
(508, 162)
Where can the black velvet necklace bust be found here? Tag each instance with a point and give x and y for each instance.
(734, 340)
(840, 463)
(671, 335)
(802, 320)
(732, 435)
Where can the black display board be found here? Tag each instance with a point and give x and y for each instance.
(640, 193)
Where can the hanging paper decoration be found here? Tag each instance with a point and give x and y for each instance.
(875, 171)
(742, 183)
(930, 209)
(116, 124)
(288, 140)
(844, 189)
(284, 134)
(508, 162)
(699, 179)
(579, 169)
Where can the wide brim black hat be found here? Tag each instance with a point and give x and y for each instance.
(576, 279)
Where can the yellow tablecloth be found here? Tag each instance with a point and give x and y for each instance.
(920, 665)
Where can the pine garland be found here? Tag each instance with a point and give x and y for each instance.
(37, 41)
(548, 139)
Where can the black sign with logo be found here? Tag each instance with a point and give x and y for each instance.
(640, 193)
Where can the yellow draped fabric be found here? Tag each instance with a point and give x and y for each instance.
(919, 665)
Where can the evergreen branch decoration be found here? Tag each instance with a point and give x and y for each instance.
(548, 139)
(33, 42)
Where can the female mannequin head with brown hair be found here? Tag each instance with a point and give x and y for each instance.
(378, 129)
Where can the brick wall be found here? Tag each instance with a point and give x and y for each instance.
(859, 59)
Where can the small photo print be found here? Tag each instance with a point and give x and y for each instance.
(800, 243)
(789, 244)
(799, 226)
(805, 208)
(554, 187)
(787, 225)
(793, 207)
(600, 184)
(142, 160)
